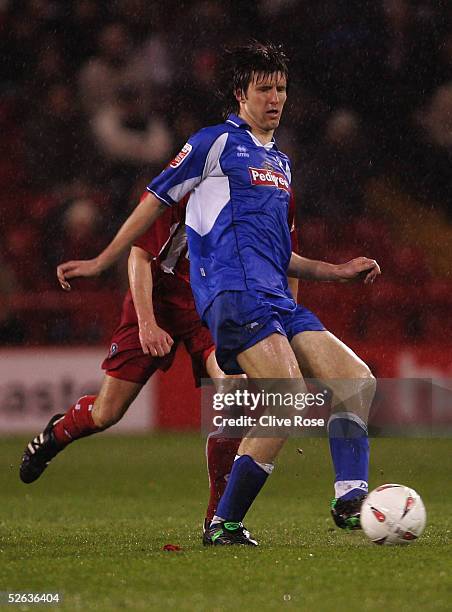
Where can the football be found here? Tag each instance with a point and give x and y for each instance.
(393, 514)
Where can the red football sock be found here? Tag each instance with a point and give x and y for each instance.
(220, 454)
(76, 423)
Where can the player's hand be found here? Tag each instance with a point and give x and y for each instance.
(359, 268)
(154, 340)
(75, 269)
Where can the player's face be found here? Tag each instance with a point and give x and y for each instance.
(262, 104)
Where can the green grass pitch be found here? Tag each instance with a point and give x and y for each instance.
(93, 528)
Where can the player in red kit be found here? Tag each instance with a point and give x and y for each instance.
(158, 313)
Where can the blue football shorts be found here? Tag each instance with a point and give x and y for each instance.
(238, 320)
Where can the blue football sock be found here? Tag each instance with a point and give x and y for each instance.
(349, 446)
(244, 483)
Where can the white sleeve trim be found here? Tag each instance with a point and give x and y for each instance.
(159, 197)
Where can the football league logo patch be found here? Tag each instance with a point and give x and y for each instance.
(185, 151)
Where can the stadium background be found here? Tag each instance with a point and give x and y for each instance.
(95, 97)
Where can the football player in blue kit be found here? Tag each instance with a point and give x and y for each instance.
(240, 257)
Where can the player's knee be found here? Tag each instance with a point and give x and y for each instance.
(368, 378)
(367, 382)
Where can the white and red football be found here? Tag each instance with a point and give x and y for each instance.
(393, 514)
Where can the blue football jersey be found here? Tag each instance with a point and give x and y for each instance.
(238, 235)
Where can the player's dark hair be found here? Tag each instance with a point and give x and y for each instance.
(242, 63)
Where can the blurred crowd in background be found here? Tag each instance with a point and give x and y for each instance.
(96, 97)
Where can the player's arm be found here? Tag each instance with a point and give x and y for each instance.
(154, 340)
(310, 269)
(182, 175)
(144, 215)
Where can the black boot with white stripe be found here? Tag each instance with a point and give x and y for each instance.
(39, 452)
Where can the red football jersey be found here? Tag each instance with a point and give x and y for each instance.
(166, 242)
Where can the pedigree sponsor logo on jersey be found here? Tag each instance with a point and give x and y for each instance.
(181, 156)
(268, 178)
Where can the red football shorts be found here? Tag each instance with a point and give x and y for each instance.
(127, 361)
